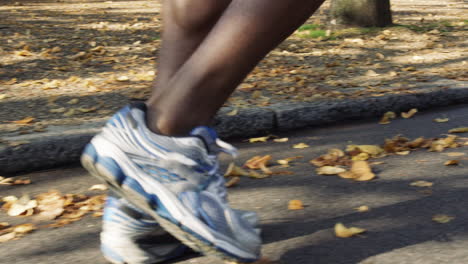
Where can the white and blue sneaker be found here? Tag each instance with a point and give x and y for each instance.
(175, 180)
(129, 236)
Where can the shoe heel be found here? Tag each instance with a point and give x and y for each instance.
(103, 168)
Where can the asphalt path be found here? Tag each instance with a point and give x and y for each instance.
(399, 223)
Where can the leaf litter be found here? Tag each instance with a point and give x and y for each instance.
(52, 207)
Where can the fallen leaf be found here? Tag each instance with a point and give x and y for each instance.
(232, 182)
(98, 214)
(387, 117)
(295, 205)
(372, 150)
(4, 225)
(73, 101)
(256, 94)
(362, 171)
(50, 205)
(330, 170)
(361, 156)
(258, 162)
(300, 146)
(442, 218)
(70, 112)
(98, 187)
(410, 113)
(123, 78)
(421, 184)
(259, 139)
(362, 209)
(287, 160)
(452, 163)
(234, 170)
(233, 112)
(24, 228)
(344, 232)
(7, 237)
(441, 120)
(459, 130)
(403, 153)
(58, 110)
(18, 143)
(279, 140)
(21, 206)
(24, 121)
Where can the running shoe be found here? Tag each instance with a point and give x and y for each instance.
(129, 236)
(176, 180)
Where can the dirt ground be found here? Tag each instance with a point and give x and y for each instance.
(70, 61)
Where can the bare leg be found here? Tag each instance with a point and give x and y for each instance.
(186, 24)
(243, 35)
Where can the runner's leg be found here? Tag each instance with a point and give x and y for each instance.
(243, 35)
(186, 24)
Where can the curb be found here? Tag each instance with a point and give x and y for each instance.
(63, 145)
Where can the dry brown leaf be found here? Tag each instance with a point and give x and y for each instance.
(259, 139)
(98, 214)
(361, 156)
(233, 112)
(123, 78)
(452, 163)
(421, 184)
(442, 218)
(372, 150)
(58, 110)
(280, 140)
(403, 153)
(287, 160)
(257, 162)
(21, 206)
(410, 113)
(332, 158)
(441, 120)
(344, 232)
(330, 170)
(459, 130)
(232, 182)
(70, 112)
(76, 214)
(300, 146)
(362, 171)
(50, 205)
(98, 187)
(387, 117)
(73, 101)
(362, 208)
(4, 225)
(234, 170)
(24, 228)
(295, 205)
(7, 237)
(24, 121)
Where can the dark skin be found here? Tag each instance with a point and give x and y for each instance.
(209, 47)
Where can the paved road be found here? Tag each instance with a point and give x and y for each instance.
(400, 229)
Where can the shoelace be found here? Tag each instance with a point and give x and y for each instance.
(216, 183)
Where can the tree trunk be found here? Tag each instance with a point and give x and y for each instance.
(364, 13)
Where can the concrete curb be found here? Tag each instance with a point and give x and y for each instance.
(63, 145)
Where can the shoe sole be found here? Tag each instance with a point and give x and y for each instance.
(107, 170)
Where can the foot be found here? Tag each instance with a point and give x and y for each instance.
(175, 180)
